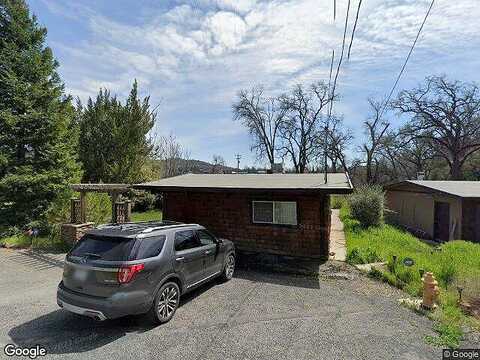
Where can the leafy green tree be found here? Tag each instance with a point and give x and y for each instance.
(37, 136)
(114, 143)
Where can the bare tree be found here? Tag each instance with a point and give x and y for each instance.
(338, 139)
(302, 126)
(408, 156)
(173, 157)
(218, 163)
(446, 114)
(262, 117)
(375, 131)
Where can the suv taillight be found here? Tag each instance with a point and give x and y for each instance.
(127, 273)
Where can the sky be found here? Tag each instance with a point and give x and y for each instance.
(192, 57)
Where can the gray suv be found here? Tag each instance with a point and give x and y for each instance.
(135, 268)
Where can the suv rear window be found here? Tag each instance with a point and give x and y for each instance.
(104, 248)
(150, 247)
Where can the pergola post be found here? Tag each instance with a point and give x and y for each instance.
(128, 215)
(73, 231)
(114, 196)
(83, 207)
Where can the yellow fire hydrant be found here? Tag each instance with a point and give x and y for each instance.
(430, 291)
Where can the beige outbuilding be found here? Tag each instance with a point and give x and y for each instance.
(442, 210)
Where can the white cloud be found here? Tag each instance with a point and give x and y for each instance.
(226, 28)
(199, 53)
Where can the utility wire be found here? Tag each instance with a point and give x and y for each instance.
(407, 59)
(331, 70)
(341, 58)
(334, 86)
(354, 28)
(325, 157)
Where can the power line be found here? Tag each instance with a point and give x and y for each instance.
(407, 59)
(341, 58)
(354, 28)
(331, 70)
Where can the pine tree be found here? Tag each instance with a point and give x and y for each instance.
(37, 135)
(114, 143)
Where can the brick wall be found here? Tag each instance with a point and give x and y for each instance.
(229, 215)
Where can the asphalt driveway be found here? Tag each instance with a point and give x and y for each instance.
(254, 316)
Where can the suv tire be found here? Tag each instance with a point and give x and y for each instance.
(165, 304)
(229, 268)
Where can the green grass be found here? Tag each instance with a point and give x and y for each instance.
(150, 215)
(21, 241)
(456, 263)
(54, 243)
(16, 241)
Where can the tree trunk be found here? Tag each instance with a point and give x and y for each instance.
(456, 172)
(369, 169)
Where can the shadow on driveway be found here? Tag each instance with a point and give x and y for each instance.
(264, 275)
(37, 260)
(62, 332)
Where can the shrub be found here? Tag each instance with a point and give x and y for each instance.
(142, 200)
(338, 201)
(99, 208)
(371, 256)
(354, 257)
(366, 205)
(447, 273)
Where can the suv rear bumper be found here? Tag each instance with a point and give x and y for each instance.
(121, 304)
(98, 315)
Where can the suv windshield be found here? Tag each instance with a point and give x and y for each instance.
(104, 248)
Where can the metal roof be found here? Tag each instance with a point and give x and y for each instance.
(464, 189)
(336, 182)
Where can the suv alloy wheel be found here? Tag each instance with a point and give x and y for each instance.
(166, 303)
(229, 268)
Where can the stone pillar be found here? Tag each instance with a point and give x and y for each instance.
(71, 233)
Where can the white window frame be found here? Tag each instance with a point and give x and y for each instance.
(274, 222)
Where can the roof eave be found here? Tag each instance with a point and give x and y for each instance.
(161, 188)
(391, 187)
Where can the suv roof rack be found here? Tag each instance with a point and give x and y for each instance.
(150, 229)
(143, 227)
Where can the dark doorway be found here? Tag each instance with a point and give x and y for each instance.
(477, 224)
(441, 224)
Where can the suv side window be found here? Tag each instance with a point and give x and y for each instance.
(185, 240)
(150, 247)
(205, 237)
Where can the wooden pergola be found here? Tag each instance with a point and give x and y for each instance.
(121, 211)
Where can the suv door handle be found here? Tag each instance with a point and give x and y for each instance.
(180, 259)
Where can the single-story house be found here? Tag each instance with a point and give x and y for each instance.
(445, 210)
(283, 214)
